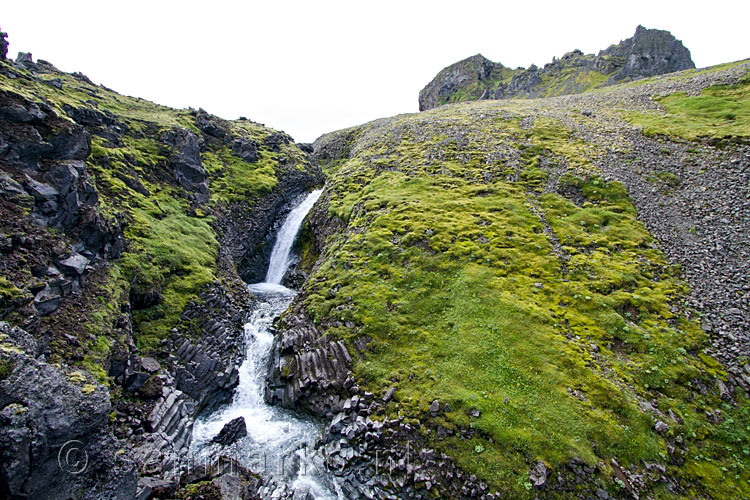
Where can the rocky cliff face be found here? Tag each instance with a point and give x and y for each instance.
(647, 53)
(126, 231)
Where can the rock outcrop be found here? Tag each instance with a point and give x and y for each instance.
(55, 441)
(647, 53)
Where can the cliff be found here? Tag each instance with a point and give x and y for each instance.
(647, 53)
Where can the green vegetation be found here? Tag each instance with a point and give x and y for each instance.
(447, 264)
(721, 111)
(171, 246)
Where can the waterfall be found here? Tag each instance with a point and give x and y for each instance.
(277, 440)
(285, 239)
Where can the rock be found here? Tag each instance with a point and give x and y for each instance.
(74, 265)
(49, 413)
(186, 162)
(48, 300)
(649, 52)
(24, 59)
(475, 413)
(245, 149)
(232, 432)
(538, 474)
(435, 407)
(389, 394)
(208, 124)
(275, 140)
(150, 365)
(135, 381)
(661, 427)
(3, 45)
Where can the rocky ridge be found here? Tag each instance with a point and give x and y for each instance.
(647, 53)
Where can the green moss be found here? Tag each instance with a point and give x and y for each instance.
(720, 111)
(6, 368)
(233, 179)
(445, 265)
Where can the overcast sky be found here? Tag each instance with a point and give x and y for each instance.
(315, 66)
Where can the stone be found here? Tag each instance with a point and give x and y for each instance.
(538, 475)
(24, 59)
(74, 265)
(661, 427)
(150, 365)
(245, 149)
(389, 394)
(232, 432)
(48, 300)
(435, 407)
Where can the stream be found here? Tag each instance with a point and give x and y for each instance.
(279, 442)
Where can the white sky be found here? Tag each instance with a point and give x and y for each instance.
(310, 67)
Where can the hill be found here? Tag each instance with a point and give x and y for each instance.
(506, 298)
(648, 52)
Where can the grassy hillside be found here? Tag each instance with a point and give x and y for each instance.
(491, 267)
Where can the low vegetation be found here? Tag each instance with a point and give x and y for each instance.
(479, 285)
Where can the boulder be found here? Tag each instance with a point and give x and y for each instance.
(75, 265)
(48, 300)
(232, 432)
(275, 140)
(24, 59)
(245, 149)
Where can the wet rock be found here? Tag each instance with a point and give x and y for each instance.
(232, 432)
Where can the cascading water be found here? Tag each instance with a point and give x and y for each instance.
(276, 439)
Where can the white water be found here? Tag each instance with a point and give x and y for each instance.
(285, 239)
(276, 438)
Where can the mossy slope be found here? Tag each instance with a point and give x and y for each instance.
(490, 267)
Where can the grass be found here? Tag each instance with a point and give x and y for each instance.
(444, 265)
(720, 111)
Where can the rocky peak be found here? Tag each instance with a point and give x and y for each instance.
(455, 77)
(647, 53)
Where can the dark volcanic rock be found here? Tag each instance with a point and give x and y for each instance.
(3, 45)
(245, 149)
(454, 77)
(186, 162)
(649, 52)
(232, 432)
(54, 437)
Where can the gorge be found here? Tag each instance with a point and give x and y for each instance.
(537, 287)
